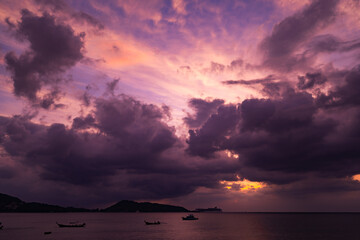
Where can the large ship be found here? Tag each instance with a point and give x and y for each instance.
(214, 209)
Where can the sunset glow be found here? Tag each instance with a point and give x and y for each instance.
(243, 185)
(356, 177)
(168, 100)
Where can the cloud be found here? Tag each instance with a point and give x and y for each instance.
(211, 136)
(123, 146)
(203, 109)
(329, 43)
(112, 85)
(78, 16)
(83, 122)
(310, 80)
(218, 68)
(266, 79)
(283, 140)
(54, 48)
(127, 136)
(346, 95)
(279, 48)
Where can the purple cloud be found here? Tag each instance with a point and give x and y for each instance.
(54, 48)
(283, 140)
(78, 16)
(203, 109)
(264, 80)
(290, 33)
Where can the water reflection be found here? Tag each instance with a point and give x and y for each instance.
(210, 226)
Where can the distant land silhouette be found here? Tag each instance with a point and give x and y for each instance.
(214, 209)
(13, 204)
(131, 206)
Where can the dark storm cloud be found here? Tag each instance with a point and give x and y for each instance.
(211, 137)
(267, 79)
(310, 80)
(346, 95)
(54, 48)
(122, 153)
(127, 140)
(83, 122)
(282, 140)
(291, 32)
(79, 16)
(203, 109)
(274, 89)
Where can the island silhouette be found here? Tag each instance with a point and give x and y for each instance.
(13, 204)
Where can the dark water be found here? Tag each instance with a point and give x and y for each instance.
(210, 226)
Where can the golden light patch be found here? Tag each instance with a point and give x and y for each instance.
(243, 185)
(356, 177)
(231, 154)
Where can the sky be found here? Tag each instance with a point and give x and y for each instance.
(245, 105)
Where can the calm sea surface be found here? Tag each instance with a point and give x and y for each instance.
(210, 226)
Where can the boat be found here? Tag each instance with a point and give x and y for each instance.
(1, 226)
(214, 209)
(152, 223)
(71, 225)
(47, 233)
(190, 217)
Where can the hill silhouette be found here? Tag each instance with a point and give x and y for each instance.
(13, 204)
(131, 206)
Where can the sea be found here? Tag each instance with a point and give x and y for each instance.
(210, 226)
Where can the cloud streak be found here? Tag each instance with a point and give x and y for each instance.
(279, 48)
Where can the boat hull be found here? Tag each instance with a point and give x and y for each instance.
(71, 225)
(189, 219)
(152, 223)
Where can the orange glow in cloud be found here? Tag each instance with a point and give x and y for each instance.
(231, 154)
(356, 177)
(243, 185)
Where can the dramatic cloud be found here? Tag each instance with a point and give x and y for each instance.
(211, 136)
(54, 48)
(310, 80)
(283, 140)
(346, 95)
(122, 139)
(203, 109)
(129, 135)
(290, 33)
(283, 125)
